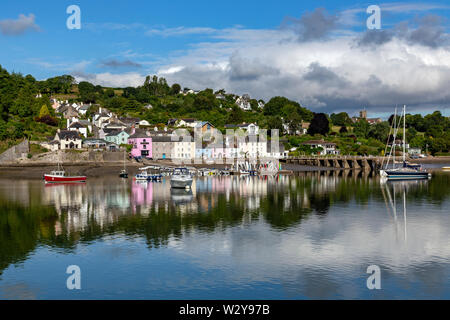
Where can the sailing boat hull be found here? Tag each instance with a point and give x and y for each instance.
(398, 175)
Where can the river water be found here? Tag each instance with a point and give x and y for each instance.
(311, 236)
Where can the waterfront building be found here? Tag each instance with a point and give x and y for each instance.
(162, 147)
(141, 144)
(118, 137)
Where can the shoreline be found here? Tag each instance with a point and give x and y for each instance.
(35, 170)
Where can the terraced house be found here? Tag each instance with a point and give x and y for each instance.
(142, 144)
(118, 136)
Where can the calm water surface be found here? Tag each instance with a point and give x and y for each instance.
(305, 237)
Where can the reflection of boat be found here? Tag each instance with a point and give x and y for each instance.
(181, 178)
(61, 184)
(181, 195)
(59, 176)
(407, 171)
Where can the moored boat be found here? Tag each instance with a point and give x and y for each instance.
(59, 176)
(181, 178)
(123, 174)
(407, 171)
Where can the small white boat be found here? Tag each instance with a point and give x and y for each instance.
(181, 178)
(143, 175)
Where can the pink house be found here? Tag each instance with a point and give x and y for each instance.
(142, 144)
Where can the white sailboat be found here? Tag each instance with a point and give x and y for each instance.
(406, 172)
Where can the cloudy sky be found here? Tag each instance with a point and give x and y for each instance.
(319, 53)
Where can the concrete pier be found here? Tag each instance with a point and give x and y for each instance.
(339, 162)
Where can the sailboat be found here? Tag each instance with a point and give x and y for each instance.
(406, 172)
(124, 173)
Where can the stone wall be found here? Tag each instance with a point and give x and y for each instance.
(16, 152)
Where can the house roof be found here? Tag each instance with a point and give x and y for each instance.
(202, 123)
(161, 139)
(76, 125)
(139, 133)
(242, 125)
(66, 134)
(85, 122)
(190, 120)
(94, 141)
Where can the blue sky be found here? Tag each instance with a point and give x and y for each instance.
(256, 47)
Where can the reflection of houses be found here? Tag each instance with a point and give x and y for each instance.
(82, 206)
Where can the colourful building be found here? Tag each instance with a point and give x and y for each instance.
(142, 144)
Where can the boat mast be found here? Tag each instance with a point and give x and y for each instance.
(404, 135)
(395, 137)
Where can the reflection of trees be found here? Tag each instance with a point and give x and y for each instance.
(282, 203)
(20, 231)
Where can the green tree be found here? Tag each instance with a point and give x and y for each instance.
(44, 111)
(362, 129)
(341, 119)
(319, 125)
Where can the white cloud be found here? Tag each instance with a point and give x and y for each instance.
(396, 72)
(21, 25)
(111, 79)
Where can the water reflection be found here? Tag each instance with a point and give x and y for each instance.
(313, 234)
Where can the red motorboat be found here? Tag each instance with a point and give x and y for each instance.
(60, 177)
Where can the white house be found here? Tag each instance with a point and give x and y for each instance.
(183, 148)
(102, 117)
(328, 148)
(84, 127)
(144, 123)
(244, 102)
(252, 146)
(68, 139)
(250, 128)
(188, 122)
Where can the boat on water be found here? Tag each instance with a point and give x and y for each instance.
(446, 168)
(123, 173)
(145, 176)
(406, 171)
(181, 178)
(59, 176)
